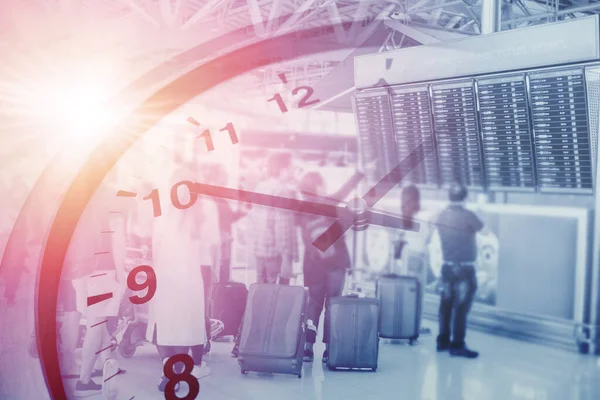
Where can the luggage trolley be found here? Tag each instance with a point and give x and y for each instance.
(133, 322)
(133, 318)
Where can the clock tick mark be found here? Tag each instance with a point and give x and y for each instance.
(282, 77)
(98, 298)
(125, 193)
(99, 323)
(112, 376)
(104, 349)
(193, 121)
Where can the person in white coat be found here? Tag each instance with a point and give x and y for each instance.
(183, 241)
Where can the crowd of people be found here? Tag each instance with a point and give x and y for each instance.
(191, 249)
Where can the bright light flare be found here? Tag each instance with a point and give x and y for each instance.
(77, 107)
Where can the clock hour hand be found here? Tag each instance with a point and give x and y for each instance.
(376, 193)
(348, 187)
(325, 210)
(395, 176)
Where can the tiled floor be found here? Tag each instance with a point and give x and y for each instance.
(507, 369)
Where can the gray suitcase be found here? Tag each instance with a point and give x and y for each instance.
(354, 342)
(399, 307)
(273, 330)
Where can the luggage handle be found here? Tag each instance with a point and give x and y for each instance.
(349, 273)
(293, 278)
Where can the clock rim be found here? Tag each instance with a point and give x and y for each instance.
(70, 208)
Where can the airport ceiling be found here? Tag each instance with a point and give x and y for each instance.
(364, 26)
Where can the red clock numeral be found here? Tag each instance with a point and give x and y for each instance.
(304, 101)
(232, 134)
(148, 283)
(155, 202)
(208, 139)
(184, 376)
(210, 146)
(175, 198)
(280, 102)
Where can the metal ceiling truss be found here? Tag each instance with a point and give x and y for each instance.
(465, 15)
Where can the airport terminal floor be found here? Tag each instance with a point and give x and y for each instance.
(507, 369)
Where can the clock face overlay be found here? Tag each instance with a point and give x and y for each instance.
(170, 155)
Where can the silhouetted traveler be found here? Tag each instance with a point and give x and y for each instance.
(457, 228)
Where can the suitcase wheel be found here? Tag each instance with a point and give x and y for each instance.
(299, 375)
(243, 371)
(374, 369)
(413, 342)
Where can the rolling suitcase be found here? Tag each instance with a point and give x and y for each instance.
(273, 330)
(353, 336)
(399, 307)
(228, 305)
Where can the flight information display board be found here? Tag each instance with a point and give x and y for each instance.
(507, 145)
(375, 133)
(561, 132)
(457, 133)
(411, 115)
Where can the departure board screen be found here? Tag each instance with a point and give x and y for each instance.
(507, 144)
(375, 133)
(411, 115)
(561, 132)
(457, 133)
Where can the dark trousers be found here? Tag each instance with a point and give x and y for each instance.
(319, 294)
(225, 267)
(268, 269)
(225, 270)
(459, 284)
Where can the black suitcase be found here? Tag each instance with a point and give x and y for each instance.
(274, 329)
(228, 305)
(399, 307)
(353, 336)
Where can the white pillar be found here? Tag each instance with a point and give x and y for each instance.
(491, 13)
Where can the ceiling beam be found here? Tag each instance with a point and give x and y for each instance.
(256, 17)
(295, 17)
(590, 7)
(275, 12)
(412, 33)
(168, 14)
(205, 10)
(414, 10)
(336, 21)
(375, 23)
(358, 19)
(133, 5)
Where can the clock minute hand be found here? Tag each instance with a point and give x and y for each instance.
(325, 210)
(391, 221)
(376, 193)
